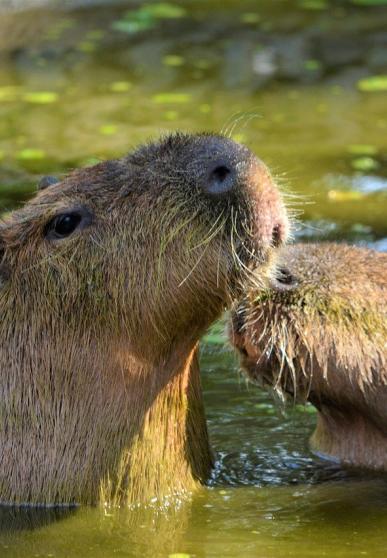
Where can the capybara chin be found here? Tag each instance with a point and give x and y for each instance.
(108, 280)
(320, 335)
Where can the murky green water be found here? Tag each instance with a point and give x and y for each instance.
(290, 79)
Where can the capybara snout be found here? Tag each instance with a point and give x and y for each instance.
(229, 174)
(219, 176)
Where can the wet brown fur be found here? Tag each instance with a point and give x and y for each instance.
(100, 397)
(324, 339)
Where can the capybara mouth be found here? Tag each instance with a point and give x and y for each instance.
(257, 358)
(247, 350)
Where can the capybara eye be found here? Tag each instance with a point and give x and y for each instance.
(65, 224)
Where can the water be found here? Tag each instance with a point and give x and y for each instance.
(286, 78)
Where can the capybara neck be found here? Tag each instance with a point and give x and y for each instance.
(351, 437)
(319, 335)
(97, 425)
(108, 279)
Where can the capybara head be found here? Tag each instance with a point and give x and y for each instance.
(108, 279)
(320, 332)
(149, 247)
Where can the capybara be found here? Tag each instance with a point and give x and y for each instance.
(319, 334)
(108, 280)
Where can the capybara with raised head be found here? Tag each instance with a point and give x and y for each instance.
(319, 334)
(108, 280)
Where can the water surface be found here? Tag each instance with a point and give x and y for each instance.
(296, 82)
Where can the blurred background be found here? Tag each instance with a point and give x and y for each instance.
(304, 84)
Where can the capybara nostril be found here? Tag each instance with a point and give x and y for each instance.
(220, 179)
(283, 280)
(285, 277)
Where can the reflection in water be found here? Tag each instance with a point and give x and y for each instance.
(89, 84)
(30, 518)
(335, 519)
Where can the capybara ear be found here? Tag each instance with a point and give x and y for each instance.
(47, 181)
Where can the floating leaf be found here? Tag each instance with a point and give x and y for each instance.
(374, 83)
(250, 18)
(179, 555)
(30, 154)
(314, 4)
(364, 164)
(146, 17)
(173, 60)
(178, 98)
(164, 10)
(41, 97)
(120, 86)
(360, 149)
(312, 65)
(171, 115)
(131, 26)
(108, 129)
(342, 195)
(205, 108)
(86, 46)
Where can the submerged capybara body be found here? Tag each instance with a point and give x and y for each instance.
(108, 279)
(320, 334)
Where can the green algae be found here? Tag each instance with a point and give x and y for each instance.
(373, 84)
(40, 97)
(362, 149)
(108, 129)
(171, 98)
(364, 164)
(120, 86)
(173, 60)
(31, 154)
(148, 16)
